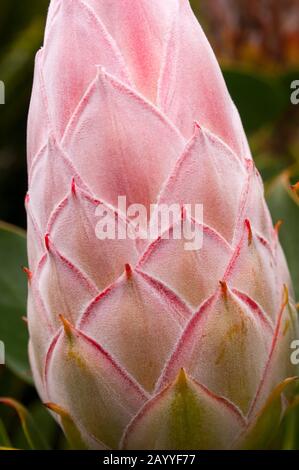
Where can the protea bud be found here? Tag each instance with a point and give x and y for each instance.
(143, 343)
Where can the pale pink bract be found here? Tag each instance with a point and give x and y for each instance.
(152, 346)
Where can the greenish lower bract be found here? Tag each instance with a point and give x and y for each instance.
(185, 420)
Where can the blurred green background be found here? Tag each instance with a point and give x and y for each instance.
(257, 44)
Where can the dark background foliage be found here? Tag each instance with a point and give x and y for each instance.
(257, 43)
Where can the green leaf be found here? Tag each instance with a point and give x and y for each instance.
(290, 427)
(288, 437)
(284, 205)
(13, 294)
(32, 434)
(4, 439)
(44, 421)
(71, 431)
(265, 427)
(259, 99)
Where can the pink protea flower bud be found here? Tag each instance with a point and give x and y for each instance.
(143, 343)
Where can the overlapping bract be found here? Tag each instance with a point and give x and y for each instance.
(152, 346)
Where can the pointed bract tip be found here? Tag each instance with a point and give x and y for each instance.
(52, 141)
(249, 229)
(224, 288)
(28, 273)
(249, 164)
(27, 199)
(181, 378)
(73, 186)
(196, 127)
(101, 71)
(295, 188)
(47, 242)
(128, 270)
(56, 409)
(67, 326)
(285, 295)
(25, 320)
(277, 226)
